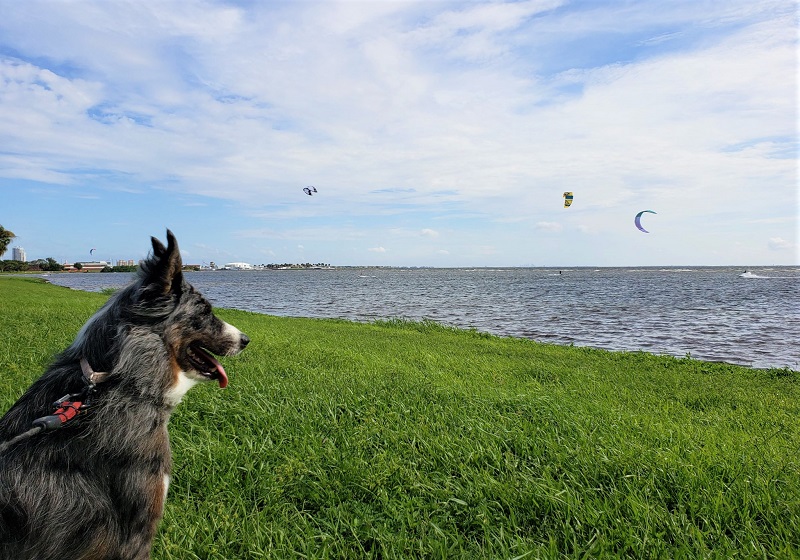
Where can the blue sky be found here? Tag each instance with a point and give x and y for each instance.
(436, 133)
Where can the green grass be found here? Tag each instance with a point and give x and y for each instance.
(413, 440)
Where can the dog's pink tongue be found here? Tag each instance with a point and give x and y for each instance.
(223, 377)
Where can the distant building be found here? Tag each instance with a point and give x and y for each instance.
(89, 266)
(18, 254)
(126, 262)
(238, 266)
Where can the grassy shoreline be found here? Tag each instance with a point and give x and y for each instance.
(396, 439)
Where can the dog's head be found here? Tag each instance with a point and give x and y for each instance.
(191, 331)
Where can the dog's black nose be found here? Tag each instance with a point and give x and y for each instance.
(244, 340)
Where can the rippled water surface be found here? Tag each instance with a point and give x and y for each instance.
(715, 314)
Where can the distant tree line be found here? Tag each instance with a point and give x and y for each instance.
(44, 265)
(51, 265)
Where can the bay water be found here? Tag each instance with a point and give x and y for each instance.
(729, 314)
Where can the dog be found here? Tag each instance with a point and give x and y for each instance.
(88, 480)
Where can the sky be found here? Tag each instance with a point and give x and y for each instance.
(436, 133)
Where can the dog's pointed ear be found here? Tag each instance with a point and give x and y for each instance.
(163, 268)
(158, 248)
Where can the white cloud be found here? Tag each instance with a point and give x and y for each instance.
(588, 229)
(471, 31)
(377, 250)
(429, 233)
(551, 227)
(779, 244)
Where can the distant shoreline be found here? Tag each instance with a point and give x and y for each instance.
(267, 268)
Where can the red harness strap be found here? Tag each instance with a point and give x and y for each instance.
(66, 411)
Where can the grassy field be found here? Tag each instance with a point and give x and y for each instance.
(413, 440)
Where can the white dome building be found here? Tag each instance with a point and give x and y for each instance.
(238, 266)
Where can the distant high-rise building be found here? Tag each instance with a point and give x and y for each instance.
(18, 254)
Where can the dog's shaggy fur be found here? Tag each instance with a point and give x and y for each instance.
(95, 488)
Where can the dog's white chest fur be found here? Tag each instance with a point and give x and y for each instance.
(175, 394)
(166, 486)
